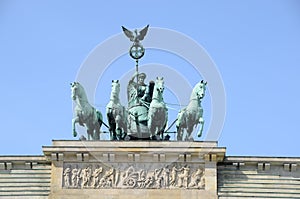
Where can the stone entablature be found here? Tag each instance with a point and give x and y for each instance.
(21, 162)
(24, 177)
(155, 168)
(139, 169)
(134, 151)
(259, 177)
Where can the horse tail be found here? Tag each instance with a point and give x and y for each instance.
(99, 117)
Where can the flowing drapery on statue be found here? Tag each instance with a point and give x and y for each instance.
(138, 92)
(192, 115)
(85, 114)
(139, 97)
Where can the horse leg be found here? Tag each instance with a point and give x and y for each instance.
(153, 133)
(97, 129)
(118, 127)
(150, 126)
(179, 132)
(98, 124)
(161, 128)
(89, 134)
(157, 132)
(124, 127)
(118, 133)
(162, 134)
(112, 126)
(96, 133)
(162, 131)
(112, 130)
(74, 121)
(201, 121)
(189, 130)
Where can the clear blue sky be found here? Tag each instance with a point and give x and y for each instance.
(255, 45)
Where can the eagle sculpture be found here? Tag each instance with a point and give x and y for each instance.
(135, 36)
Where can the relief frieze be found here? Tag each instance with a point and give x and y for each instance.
(133, 176)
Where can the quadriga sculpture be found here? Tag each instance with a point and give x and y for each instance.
(158, 113)
(191, 116)
(85, 114)
(116, 113)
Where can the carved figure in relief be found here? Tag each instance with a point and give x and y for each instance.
(158, 178)
(183, 177)
(75, 176)
(142, 178)
(96, 174)
(110, 173)
(67, 176)
(173, 176)
(117, 177)
(150, 180)
(107, 179)
(197, 179)
(86, 175)
(165, 176)
(109, 182)
(201, 184)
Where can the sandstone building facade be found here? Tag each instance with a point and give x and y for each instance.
(144, 169)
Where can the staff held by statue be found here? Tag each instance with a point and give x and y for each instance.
(137, 50)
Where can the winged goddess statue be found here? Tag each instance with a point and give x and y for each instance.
(135, 36)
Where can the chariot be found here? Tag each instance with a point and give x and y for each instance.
(146, 115)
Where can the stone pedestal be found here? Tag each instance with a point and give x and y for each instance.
(133, 169)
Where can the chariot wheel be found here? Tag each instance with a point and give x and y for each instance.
(131, 182)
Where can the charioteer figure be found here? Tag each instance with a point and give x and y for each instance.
(139, 98)
(139, 93)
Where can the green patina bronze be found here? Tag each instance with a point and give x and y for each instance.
(146, 114)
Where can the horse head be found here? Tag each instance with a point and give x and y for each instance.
(200, 89)
(115, 89)
(77, 91)
(159, 85)
(74, 90)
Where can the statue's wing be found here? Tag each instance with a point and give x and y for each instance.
(131, 91)
(128, 33)
(143, 33)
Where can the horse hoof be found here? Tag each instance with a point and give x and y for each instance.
(113, 138)
(127, 138)
(82, 138)
(154, 137)
(167, 138)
